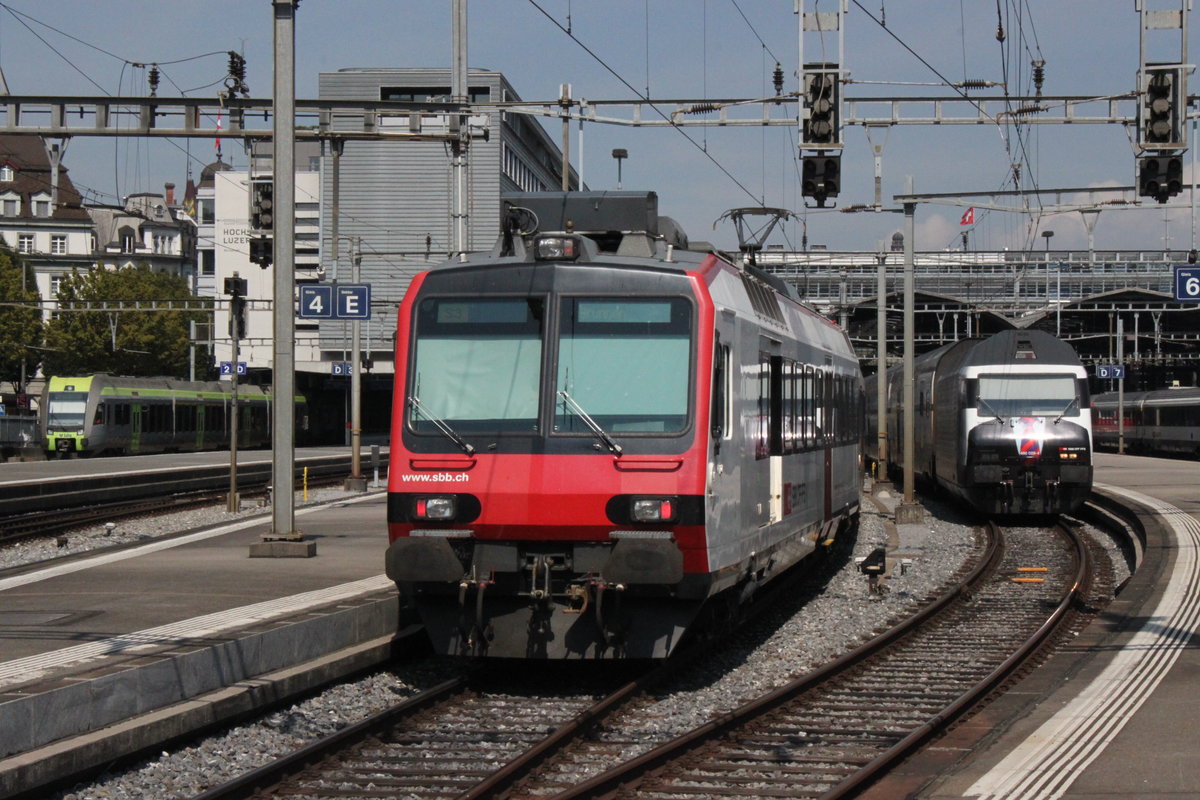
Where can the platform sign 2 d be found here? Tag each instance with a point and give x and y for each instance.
(1113, 372)
(227, 368)
(1187, 284)
(335, 301)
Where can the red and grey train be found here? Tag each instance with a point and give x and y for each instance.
(1002, 423)
(601, 438)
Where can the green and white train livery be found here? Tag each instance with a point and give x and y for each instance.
(111, 415)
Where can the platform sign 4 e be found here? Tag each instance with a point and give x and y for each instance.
(1187, 284)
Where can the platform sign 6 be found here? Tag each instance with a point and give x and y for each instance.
(316, 302)
(1114, 372)
(1187, 284)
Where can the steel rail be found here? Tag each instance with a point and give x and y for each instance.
(628, 774)
(979, 691)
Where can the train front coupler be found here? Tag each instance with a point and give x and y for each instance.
(475, 634)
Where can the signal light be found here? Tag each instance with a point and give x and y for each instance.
(822, 99)
(1160, 177)
(1160, 118)
(261, 251)
(821, 177)
(262, 205)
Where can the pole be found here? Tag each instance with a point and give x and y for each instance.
(565, 102)
(284, 539)
(459, 161)
(234, 502)
(881, 370)
(356, 481)
(908, 511)
(1120, 386)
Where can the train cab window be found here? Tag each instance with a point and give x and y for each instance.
(626, 362)
(477, 364)
(1027, 395)
(66, 410)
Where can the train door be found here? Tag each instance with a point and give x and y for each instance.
(135, 427)
(768, 447)
(199, 407)
(723, 468)
(827, 408)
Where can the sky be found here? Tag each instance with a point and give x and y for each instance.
(666, 50)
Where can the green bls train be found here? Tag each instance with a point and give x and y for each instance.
(111, 415)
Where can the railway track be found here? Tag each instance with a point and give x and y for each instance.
(832, 732)
(55, 508)
(824, 735)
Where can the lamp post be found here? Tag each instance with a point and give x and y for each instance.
(620, 154)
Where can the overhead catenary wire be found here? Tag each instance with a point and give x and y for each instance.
(646, 100)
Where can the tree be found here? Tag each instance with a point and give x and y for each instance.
(20, 320)
(135, 343)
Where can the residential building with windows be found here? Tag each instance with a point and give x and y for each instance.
(42, 216)
(148, 230)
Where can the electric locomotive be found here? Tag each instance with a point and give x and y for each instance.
(1003, 423)
(601, 438)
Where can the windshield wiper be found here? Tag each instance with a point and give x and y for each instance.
(591, 423)
(1063, 413)
(438, 423)
(988, 406)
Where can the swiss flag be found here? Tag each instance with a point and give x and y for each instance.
(968, 217)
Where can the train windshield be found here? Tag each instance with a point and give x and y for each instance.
(625, 362)
(1027, 395)
(477, 365)
(66, 410)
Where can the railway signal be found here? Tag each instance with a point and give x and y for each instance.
(262, 205)
(260, 251)
(1160, 177)
(822, 124)
(822, 177)
(1162, 103)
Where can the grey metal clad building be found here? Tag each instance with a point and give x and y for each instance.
(394, 198)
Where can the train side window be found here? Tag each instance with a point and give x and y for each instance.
(775, 408)
(721, 412)
(99, 418)
(806, 407)
(762, 444)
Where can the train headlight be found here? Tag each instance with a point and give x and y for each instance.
(556, 248)
(442, 508)
(653, 509)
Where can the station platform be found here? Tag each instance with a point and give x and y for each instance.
(185, 632)
(1114, 714)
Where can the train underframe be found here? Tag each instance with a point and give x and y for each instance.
(538, 600)
(1033, 488)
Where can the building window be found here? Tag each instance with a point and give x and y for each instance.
(207, 215)
(58, 245)
(6, 174)
(55, 285)
(92, 242)
(208, 262)
(41, 205)
(25, 243)
(128, 240)
(10, 205)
